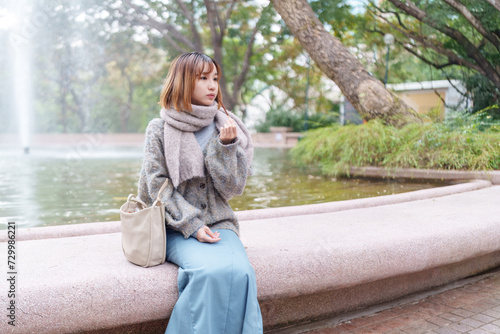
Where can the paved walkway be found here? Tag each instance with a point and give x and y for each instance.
(471, 306)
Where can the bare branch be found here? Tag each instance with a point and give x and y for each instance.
(197, 39)
(162, 27)
(211, 16)
(214, 15)
(389, 12)
(454, 86)
(167, 37)
(229, 12)
(435, 45)
(185, 10)
(415, 53)
(427, 61)
(440, 97)
(219, 21)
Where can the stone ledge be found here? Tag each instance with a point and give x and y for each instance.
(308, 266)
(435, 174)
(113, 227)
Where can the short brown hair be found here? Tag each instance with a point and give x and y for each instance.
(181, 78)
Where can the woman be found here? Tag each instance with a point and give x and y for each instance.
(206, 153)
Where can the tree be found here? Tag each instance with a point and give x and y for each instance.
(70, 52)
(464, 33)
(186, 27)
(132, 67)
(448, 34)
(367, 94)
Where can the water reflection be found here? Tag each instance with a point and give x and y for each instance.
(276, 182)
(54, 187)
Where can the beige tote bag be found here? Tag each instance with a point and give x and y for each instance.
(144, 241)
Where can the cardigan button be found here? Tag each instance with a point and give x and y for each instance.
(202, 186)
(203, 206)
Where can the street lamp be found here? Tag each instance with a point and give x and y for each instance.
(388, 40)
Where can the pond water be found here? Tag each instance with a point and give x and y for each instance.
(57, 186)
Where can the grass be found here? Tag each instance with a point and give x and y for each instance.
(463, 143)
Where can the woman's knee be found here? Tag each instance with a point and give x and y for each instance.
(243, 268)
(235, 269)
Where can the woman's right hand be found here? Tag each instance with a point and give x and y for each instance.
(228, 133)
(205, 234)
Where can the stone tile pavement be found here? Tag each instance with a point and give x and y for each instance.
(471, 308)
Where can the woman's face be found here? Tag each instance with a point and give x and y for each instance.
(206, 88)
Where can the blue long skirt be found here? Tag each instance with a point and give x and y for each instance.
(217, 288)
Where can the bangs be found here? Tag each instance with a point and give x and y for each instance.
(204, 66)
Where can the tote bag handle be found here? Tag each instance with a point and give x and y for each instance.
(158, 198)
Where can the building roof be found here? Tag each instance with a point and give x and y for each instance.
(423, 85)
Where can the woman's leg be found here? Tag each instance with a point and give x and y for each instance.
(217, 289)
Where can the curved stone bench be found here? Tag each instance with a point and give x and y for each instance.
(309, 266)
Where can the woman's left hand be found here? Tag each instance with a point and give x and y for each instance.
(228, 133)
(205, 234)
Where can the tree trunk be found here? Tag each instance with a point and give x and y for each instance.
(367, 94)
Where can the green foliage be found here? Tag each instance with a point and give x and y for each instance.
(338, 16)
(446, 39)
(471, 123)
(335, 148)
(322, 119)
(463, 143)
(285, 66)
(281, 116)
(485, 95)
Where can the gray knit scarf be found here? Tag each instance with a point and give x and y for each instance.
(183, 155)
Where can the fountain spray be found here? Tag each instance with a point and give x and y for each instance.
(20, 50)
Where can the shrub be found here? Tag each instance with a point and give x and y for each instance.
(462, 143)
(280, 116)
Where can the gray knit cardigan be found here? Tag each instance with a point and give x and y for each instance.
(198, 201)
